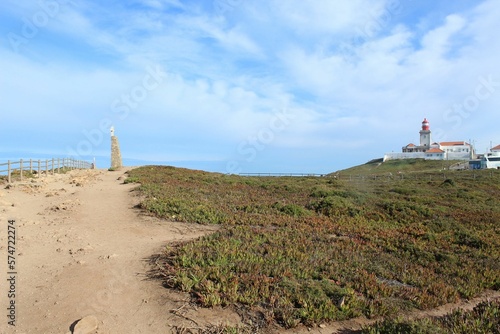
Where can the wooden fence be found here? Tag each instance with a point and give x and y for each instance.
(281, 174)
(54, 165)
(420, 176)
(484, 174)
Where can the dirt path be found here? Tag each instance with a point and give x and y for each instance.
(355, 325)
(82, 253)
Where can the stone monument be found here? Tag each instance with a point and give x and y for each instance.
(116, 156)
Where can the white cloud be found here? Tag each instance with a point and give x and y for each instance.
(352, 72)
(325, 17)
(162, 4)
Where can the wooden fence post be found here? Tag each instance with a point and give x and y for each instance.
(53, 166)
(9, 171)
(31, 166)
(21, 168)
(38, 167)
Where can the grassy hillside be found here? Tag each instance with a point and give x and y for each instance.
(316, 249)
(413, 166)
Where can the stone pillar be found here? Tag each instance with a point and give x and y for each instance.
(116, 156)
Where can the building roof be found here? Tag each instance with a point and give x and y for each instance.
(453, 143)
(434, 150)
(413, 145)
(497, 148)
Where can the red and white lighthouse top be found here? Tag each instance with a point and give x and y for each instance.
(425, 125)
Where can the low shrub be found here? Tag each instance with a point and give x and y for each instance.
(309, 250)
(484, 318)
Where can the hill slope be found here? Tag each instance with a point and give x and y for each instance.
(308, 250)
(377, 167)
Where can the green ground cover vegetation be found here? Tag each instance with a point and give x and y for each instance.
(316, 249)
(483, 319)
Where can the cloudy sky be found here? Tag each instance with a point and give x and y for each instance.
(245, 86)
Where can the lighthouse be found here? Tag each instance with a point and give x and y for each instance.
(425, 134)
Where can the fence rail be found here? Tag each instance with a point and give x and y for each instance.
(472, 174)
(40, 167)
(280, 174)
(429, 176)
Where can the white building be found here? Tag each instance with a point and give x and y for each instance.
(434, 154)
(451, 150)
(457, 150)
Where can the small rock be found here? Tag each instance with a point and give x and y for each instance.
(341, 302)
(86, 325)
(322, 326)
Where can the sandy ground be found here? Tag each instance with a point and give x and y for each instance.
(82, 252)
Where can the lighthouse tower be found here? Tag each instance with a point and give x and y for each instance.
(425, 134)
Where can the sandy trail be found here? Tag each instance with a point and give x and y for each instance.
(82, 251)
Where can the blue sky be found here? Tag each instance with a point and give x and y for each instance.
(245, 86)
